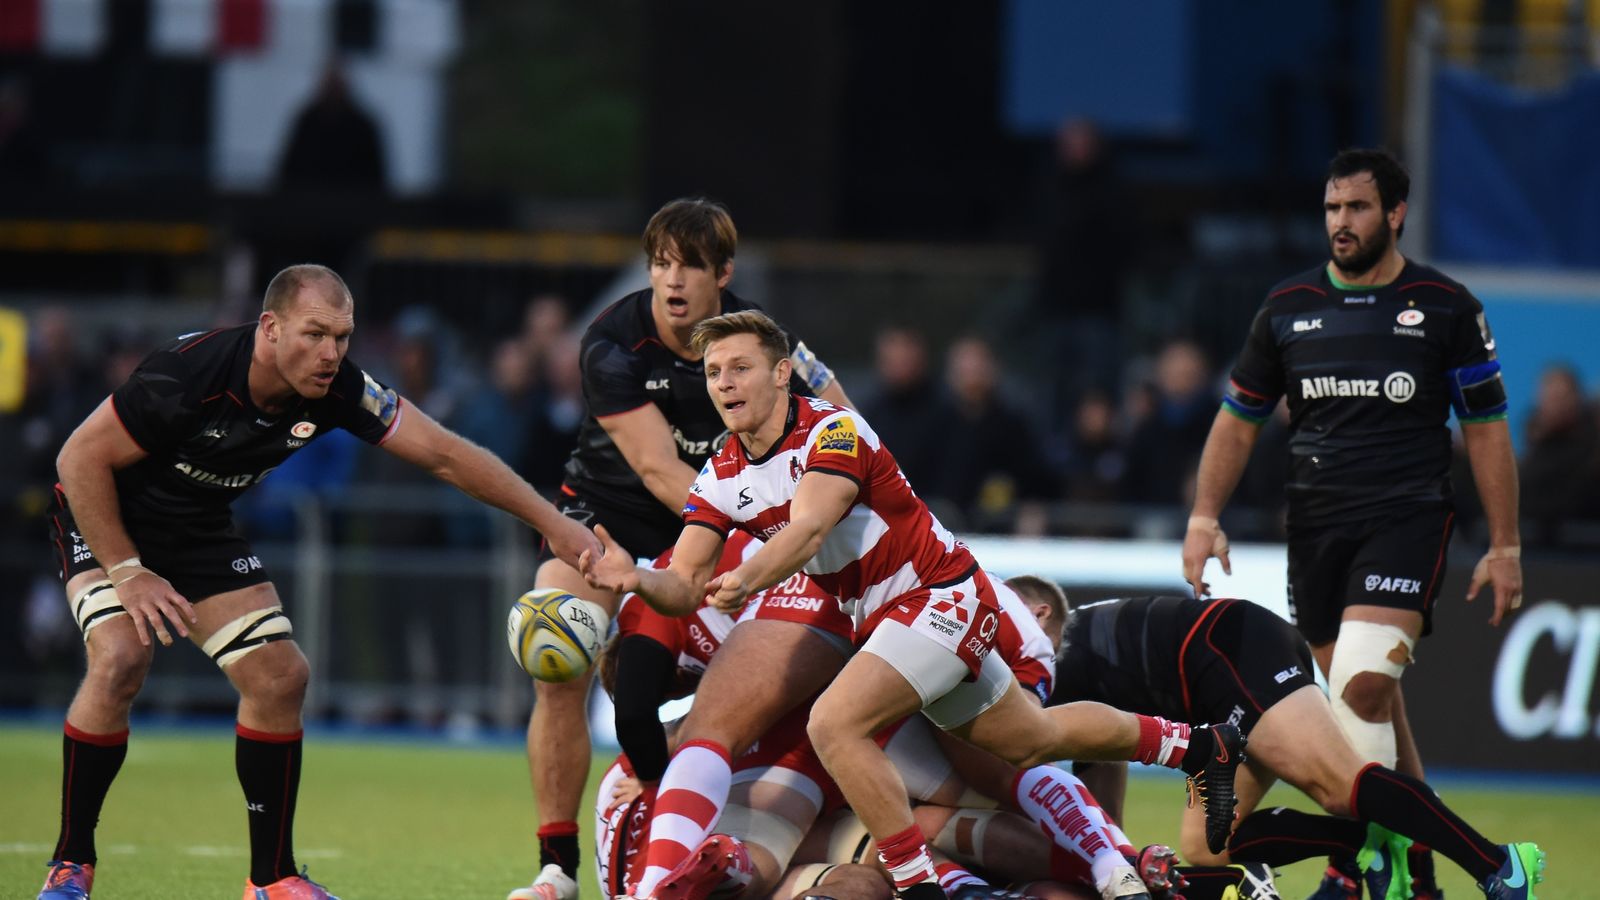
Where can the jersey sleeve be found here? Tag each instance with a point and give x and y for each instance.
(837, 446)
(155, 404)
(365, 407)
(636, 617)
(700, 509)
(1256, 382)
(1477, 391)
(613, 378)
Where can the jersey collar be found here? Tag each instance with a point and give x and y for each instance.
(788, 429)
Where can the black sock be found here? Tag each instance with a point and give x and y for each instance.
(1420, 857)
(1280, 836)
(89, 763)
(558, 845)
(926, 890)
(1406, 806)
(1202, 742)
(1345, 863)
(269, 771)
(1209, 882)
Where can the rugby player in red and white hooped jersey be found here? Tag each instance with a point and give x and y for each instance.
(814, 481)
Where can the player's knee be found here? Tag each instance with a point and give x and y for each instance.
(281, 679)
(118, 668)
(1370, 695)
(1192, 847)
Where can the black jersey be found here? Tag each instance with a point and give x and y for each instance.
(625, 366)
(1370, 374)
(188, 406)
(1125, 653)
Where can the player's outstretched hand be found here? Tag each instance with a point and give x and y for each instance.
(609, 569)
(625, 791)
(1204, 539)
(727, 592)
(151, 603)
(568, 540)
(1501, 567)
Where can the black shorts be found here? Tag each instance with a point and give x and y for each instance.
(1240, 659)
(200, 560)
(1396, 561)
(646, 536)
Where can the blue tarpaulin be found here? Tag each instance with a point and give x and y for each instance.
(1516, 173)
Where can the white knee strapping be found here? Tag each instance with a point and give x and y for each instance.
(247, 634)
(778, 835)
(95, 604)
(810, 875)
(1367, 647)
(969, 851)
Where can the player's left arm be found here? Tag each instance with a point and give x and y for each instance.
(1494, 470)
(451, 458)
(821, 499)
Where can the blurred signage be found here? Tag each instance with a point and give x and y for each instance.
(13, 359)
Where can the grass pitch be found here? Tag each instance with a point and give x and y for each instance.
(383, 819)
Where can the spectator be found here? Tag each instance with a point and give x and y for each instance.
(1096, 457)
(990, 457)
(500, 415)
(906, 409)
(1560, 468)
(1165, 447)
(561, 412)
(544, 325)
(334, 142)
(1082, 258)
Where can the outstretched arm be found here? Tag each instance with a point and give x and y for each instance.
(820, 500)
(673, 591)
(1494, 470)
(452, 458)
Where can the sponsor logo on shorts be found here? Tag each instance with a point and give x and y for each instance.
(940, 614)
(1392, 585)
(1236, 716)
(246, 564)
(1285, 675)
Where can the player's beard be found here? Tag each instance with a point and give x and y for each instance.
(1367, 253)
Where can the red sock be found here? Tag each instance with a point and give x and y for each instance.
(952, 876)
(1161, 742)
(691, 797)
(905, 856)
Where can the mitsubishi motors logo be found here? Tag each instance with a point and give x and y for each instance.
(945, 607)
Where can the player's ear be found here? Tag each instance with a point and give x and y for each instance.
(1397, 216)
(726, 275)
(782, 371)
(269, 325)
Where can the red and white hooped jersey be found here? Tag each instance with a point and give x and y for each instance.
(1023, 644)
(889, 543)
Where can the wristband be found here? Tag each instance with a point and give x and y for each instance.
(1504, 553)
(1201, 522)
(137, 571)
(130, 562)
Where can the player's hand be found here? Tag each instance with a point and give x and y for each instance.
(612, 568)
(151, 603)
(568, 540)
(728, 592)
(625, 791)
(1204, 539)
(1501, 567)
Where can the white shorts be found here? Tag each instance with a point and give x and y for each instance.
(938, 675)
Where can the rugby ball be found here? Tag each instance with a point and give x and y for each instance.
(555, 636)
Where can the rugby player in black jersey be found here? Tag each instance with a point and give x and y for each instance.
(148, 546)
(1235, 661)
(649, 427)
(1371, 351)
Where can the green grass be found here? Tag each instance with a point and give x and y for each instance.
(383, 820)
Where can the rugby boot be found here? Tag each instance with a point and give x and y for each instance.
(1340, 882)
(720, 861)
(1124, 884)
(295, 887)
(1158, 869)
(1385, 864)
(1255, 882)
(67, 881)
(985, 892)
(1423, 884)
(552, 884)
(1211, 782)
(1523, 868)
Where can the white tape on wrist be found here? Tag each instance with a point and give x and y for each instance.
(130, 562)
(1202, 522)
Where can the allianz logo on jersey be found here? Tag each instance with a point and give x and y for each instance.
(212, 479)
(1399, 387)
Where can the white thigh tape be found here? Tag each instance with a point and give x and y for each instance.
(966, 849)
(778, 835)
(95, 604)
(848, 841)
(246, 634)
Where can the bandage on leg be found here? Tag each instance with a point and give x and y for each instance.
(247, 634)
(1367, 647)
